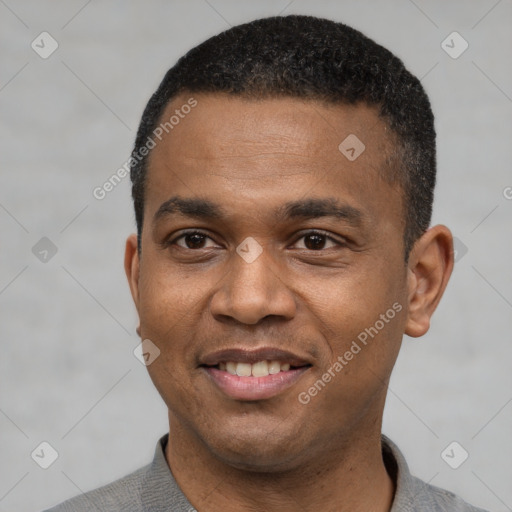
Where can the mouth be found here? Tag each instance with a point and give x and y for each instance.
(259, 369)
(256, 374)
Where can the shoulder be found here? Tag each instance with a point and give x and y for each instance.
(415, 494)
(150, 488)
(121, 495)
(429, 497)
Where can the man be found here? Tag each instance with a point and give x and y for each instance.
(283, 178)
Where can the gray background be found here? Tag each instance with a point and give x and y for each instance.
(68, 375)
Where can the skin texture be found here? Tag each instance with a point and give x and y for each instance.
(310, 296)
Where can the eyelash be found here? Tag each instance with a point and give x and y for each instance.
(169, 243)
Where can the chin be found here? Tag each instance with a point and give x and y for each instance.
(258, 451)
(268, 462)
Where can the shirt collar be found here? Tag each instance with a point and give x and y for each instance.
(406, 485)
(160, 492)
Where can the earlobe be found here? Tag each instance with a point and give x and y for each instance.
(132, 267)
(430, 267)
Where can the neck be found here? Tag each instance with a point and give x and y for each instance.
(351, 477)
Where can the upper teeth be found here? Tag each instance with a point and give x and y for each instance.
(259, 369)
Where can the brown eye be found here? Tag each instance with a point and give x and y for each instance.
(315, 241)
(192, 240)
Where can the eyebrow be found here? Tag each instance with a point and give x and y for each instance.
(311, 208)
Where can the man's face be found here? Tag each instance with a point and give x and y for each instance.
(299, 292)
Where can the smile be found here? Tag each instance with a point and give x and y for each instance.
(253, 388)
(254, 375)
(259, 369)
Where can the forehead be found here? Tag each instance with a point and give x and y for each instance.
(257, 150)
(227, 125)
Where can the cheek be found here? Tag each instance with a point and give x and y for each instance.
(361, 318)
(169, 307)
(351, 301)
(362, 329)
(166, 295)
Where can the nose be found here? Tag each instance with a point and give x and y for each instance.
(252, 291)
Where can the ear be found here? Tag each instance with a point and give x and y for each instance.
(132, 267)
(429, 269)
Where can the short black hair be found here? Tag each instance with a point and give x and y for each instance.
(309, 58)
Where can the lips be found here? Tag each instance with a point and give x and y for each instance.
(253, 356)
(254, 374)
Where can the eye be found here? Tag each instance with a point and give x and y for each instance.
(312, 240)
(192, 240)
(317, 240)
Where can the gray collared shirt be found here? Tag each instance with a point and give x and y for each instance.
(153, 489)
